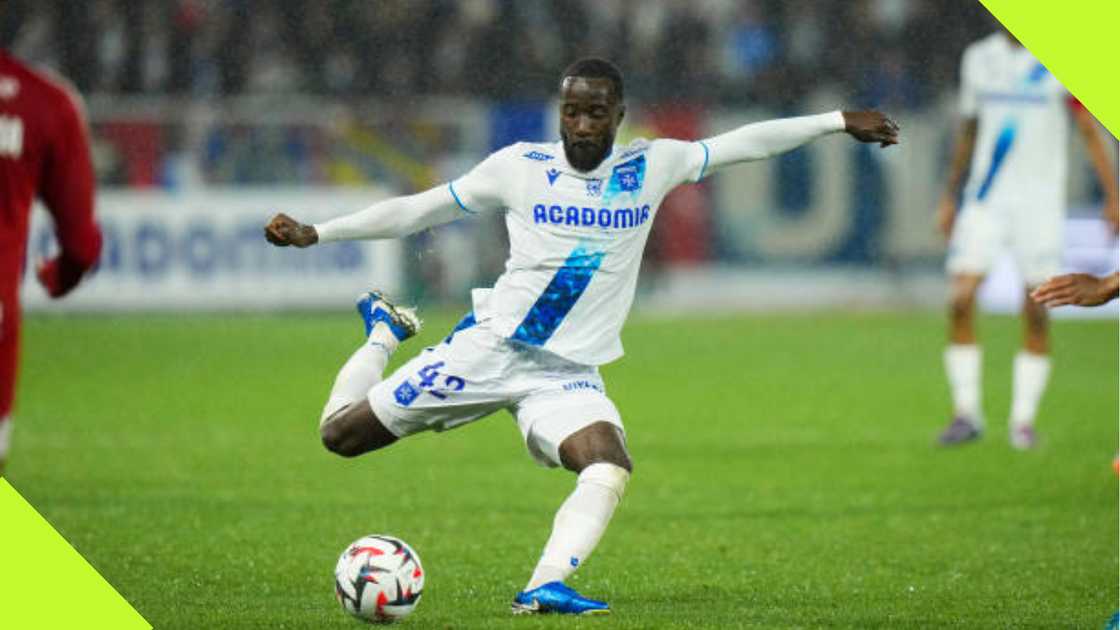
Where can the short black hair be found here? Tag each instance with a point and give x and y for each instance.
(596, 68)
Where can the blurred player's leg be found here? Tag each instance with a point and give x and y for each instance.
(962, 362)
(1031, 371)
(9, 358)
(1037, 246)
(386, 326)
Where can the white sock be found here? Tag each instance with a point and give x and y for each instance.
(362, 370)
(1030, 373)
(962, 366)
(580, 522)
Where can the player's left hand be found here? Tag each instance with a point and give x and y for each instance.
(58, 275)
(871, 126)
(1080, 289)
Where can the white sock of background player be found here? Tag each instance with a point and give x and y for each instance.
(580, 522)
(362, 370)
(1030, 374)
(962, 366)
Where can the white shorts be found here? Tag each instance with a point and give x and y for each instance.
(475, 372)
(1033, 234)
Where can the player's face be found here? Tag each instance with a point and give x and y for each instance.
(589, 117)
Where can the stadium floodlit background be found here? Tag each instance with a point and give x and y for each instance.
(190, 97)
(150, 435)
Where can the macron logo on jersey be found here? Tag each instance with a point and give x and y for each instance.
(11, 136)
(591, 217)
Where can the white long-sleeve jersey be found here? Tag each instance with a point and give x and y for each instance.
(576, 238)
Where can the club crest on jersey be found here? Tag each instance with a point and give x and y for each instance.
(594, 187)
(406, 393)
(552, 175)
(627, 178)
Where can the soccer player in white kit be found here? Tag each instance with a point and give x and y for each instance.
(1015, 133)
(578, 214)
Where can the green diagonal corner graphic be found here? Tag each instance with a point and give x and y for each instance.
(1075, 41)
(45, 583)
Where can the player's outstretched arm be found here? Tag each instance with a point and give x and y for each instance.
(962, 157)
(759, 141)
(1102, 165)
(67, 190)
(1080, 289)
(392, 218)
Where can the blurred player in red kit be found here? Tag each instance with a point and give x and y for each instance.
(44, 152)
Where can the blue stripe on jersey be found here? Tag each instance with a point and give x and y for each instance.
(559, 297)
(705, 167)
(465, 323)
(1038, 73)
(451, 187)
(1006, 136)
(1003, 144)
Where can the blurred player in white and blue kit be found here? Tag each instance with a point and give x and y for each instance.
(1014, 135)
(578, 213)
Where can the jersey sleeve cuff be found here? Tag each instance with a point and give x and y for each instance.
(707, 156)
(323, 231)
(835, 121)
(451, 187)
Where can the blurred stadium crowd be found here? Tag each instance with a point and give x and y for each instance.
(767, 52)
(395, 96)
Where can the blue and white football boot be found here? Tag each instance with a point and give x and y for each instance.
(374, 308)
(556, 597)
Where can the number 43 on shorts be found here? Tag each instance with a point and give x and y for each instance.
(431, 382)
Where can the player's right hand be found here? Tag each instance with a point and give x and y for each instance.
(946, 215)
(283, 231)
(871, 126)
(1080, 289)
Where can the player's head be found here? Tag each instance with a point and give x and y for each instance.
(591, 109)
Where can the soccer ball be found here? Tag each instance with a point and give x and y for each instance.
(378, 578)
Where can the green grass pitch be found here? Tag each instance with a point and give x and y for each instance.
(784, 477)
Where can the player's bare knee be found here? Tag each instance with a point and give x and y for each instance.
(961, 306)
(616, 457)
(1035, 317)
(1036, 339)
(355, 430)
(1037, 328)
(962, 298)
(614, 453)
(338, 439)
(598, 443)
